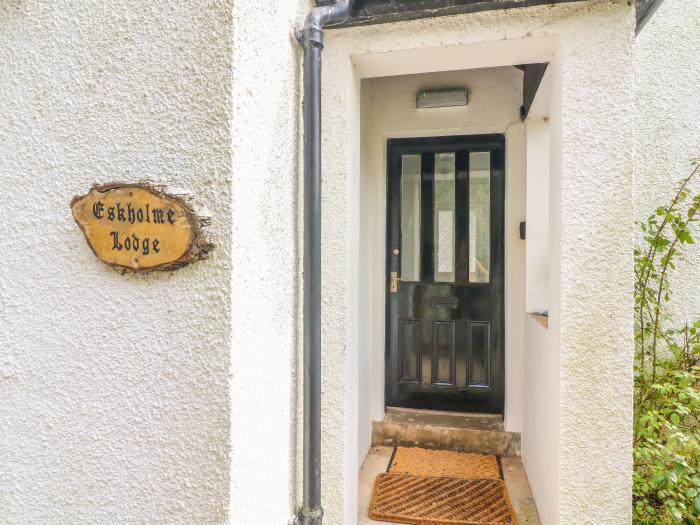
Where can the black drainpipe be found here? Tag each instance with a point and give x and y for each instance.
(311, 38)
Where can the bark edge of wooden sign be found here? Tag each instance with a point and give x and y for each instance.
(162, 230)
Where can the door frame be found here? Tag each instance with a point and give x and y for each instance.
(442, 141)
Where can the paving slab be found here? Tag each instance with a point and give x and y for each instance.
(519, 491)
(376, 462)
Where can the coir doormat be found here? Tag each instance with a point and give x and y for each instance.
(444, 464)
(417, 491)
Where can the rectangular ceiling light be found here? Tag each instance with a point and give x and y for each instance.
(441, 98)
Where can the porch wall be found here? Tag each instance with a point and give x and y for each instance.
(595, 272)
(266, 262)
(589, 342)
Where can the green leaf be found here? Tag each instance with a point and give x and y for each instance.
(658, 477)
(677, 514)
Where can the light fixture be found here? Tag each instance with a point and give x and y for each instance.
(441, 98)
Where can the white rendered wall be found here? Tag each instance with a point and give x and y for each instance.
(114, 389)
(591, 225)
(667, 105)
(537, 129)
(541, 392)
(266, 269)
(389, 111)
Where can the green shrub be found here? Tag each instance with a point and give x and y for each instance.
(667, 372)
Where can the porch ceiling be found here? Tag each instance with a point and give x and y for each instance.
(366, 12)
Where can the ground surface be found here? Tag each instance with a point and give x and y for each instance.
(377, 461)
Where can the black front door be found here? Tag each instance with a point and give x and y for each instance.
(445, 328)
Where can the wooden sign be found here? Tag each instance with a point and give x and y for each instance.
(140, 227)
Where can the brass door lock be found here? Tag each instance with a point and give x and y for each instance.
(394, 282)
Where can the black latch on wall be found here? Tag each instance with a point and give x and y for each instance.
(522, 230)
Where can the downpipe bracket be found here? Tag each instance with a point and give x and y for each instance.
(311, 516)
(309, 36)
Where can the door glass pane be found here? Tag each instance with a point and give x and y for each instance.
(410, 217)
(444, 220)
(479, 217)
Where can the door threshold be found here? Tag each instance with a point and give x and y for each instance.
(479, 433)
(444, 412)
(445, 419)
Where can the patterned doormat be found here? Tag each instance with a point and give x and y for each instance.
(424, 487)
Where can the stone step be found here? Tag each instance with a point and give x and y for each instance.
(480, 433)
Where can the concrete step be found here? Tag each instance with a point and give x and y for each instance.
(480, 433)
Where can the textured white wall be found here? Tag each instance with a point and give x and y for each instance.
(541, 392)
(266, 282)
(592, 226)
(114, 390)
(667, 105)
(595, 271)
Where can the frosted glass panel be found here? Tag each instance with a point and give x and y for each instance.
(410, 217)
(444, 217)
(479, 217)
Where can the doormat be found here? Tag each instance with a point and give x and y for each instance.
(444, 464)
(423, 500)
(439, 487)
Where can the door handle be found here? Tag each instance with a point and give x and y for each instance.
(394, 282)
